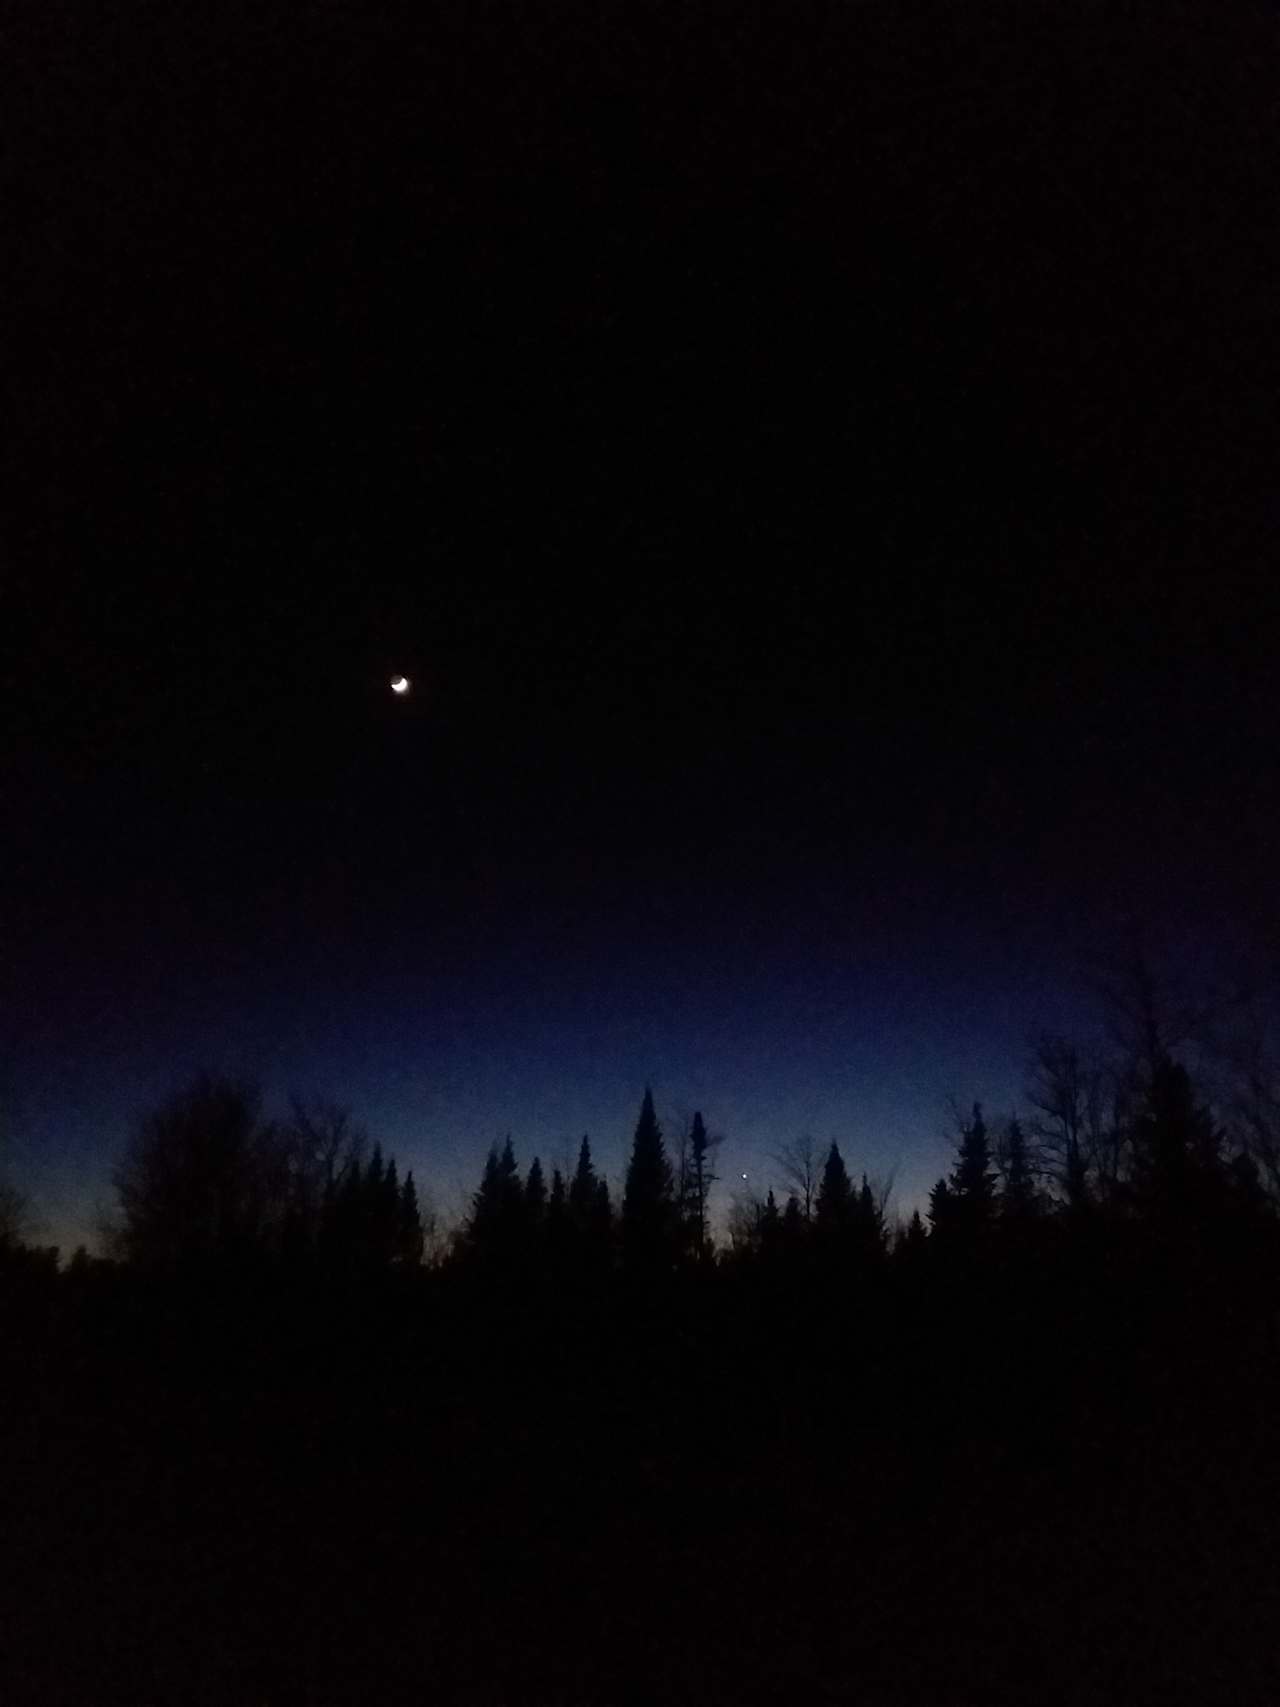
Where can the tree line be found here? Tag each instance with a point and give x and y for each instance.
(1173, 1124)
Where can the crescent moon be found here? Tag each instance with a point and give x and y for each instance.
(400, 684)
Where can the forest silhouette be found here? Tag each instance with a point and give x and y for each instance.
(294, 1443)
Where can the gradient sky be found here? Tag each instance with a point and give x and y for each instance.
(825, 500)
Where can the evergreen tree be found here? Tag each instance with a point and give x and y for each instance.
(557, 1203)
(1178, 1171)
(511, 1202)
(582, 1189)
(972, 1198)
(648, 1210)
(1018, 1197)
(602, 1213)
(485, 1223)
(410, 1240)
(794, 1225)
(535, 1211)
(697, 1186)
(535, 1194)
(868, 1222)
(835, 1194)
(558, 1229)
(770, 1227)
(942, 1208)
(914, 1238)
(373, 1173)
(386, 1217)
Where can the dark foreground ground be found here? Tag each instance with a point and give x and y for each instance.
(311, 1495)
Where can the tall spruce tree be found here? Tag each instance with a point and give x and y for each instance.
(410, 1238)
(913, 1238)
(696, 1187)
(868, 1223)
(833, 1209)
(972, 1182)
(1018, 1196)
(1178, 1173)
(486, 1205)
(942, 1208)
(648, 1209)
(535, 1210)
(582, 1188)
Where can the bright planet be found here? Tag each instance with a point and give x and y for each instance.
(400, 684)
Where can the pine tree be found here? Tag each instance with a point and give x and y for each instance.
(868, 1222)
(1178, 1172)
(1018, 1199)
(942, 1208)
(972, 1182)
(556, 1201)
(558, 1230)
(794, 1225)
(602, 1212)
(770, 1227)
(535, 1193)
(648, 1218)
(698, 1186)
(386, 1210)
(484, 1224)
(914, 1238)
(511, 1202)
(835, 1194)
(582, 1190)
(410, 1240)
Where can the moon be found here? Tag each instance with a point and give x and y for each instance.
(400, 685)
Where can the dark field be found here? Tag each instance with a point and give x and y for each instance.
(285, 1494)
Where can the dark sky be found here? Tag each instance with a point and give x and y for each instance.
(816, 463)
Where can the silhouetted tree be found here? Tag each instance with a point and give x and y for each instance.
(913, 1237)
(971, 1202)
(695, 1186)
(867, 1223)
(648, 1209)
(800, 1163)
(941, 1208)
(795, 1226)
(1018, 1199)
(1068, 1093)
(744, 1220)
(834, 1204)
(535, 1194)
(483, 1232)
(770, 1227)
(194, 1180)
(535, 1210)
(602, 1216)
(1178, 1173)
(582, 1190)
(410, 1234)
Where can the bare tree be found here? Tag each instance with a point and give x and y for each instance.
(198, 1174)
(746, 1208)
(882, 1190)
(1069, 1092)
(1247, 1060)
(1151, 1014)
(323, 1141)
(800, 1163)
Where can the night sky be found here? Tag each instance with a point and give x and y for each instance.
(816, 464)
